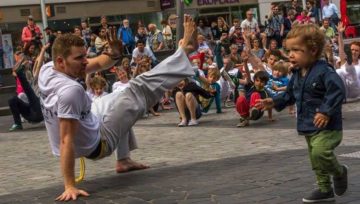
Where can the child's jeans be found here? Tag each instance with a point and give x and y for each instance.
(323, 160)
(243, 106)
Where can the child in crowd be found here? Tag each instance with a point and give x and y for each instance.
(209, 64)
(235, 74)
(254, 90)
(200, 74)
(123, 77)
(318, 93)
(210, 84)
(278, 81)
(125, 64)
(97, 88)
(272, 57)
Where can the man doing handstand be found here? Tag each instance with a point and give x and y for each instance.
(77, 128)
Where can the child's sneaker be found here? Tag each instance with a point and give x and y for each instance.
(341, 182)
(15, 127)
(182, 123)
(243, 122)
(193, 123)
(318, 196)
(255, 113)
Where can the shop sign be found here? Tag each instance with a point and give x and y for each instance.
(165, 4)
(216, 2)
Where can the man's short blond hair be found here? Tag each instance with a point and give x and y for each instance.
(310, 35)
(63, 44)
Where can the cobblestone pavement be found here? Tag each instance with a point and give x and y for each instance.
(212, 163)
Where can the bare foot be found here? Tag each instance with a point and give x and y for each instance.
(189, 42)
(125, 165)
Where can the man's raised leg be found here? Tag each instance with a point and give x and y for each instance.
(122, 110)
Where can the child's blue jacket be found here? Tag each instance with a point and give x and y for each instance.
(321, 90)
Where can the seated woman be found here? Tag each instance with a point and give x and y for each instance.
(186, 101)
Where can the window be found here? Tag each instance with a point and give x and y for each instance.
(353, 12)
(61, 9)
(24, 12)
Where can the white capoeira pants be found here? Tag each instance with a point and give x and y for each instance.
(119, 111)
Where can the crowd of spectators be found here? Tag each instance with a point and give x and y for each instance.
(229, 60)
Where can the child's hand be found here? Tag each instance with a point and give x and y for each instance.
(264, 104)
(212, 91)
(321, 120)
(274, 87)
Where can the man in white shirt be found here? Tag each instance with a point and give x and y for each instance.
(349, 70)
(78, 128)
(140, 51)
(251, 23)
(350, 73)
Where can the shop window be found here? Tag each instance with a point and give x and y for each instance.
(353, 11)
(61, 9)
(24, 12)
(64, 25)
(94, 20)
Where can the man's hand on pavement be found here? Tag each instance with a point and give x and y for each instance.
(71, 193)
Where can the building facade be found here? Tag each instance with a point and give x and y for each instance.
(68, 13)
(211, 9)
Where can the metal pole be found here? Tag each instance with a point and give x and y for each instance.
(304, 4)
(44, 17)
(180, 20)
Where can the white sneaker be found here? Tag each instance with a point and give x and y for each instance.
(182, 123)
(193, 123)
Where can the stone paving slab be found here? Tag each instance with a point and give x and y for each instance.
(201, 164)
(281, 177)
